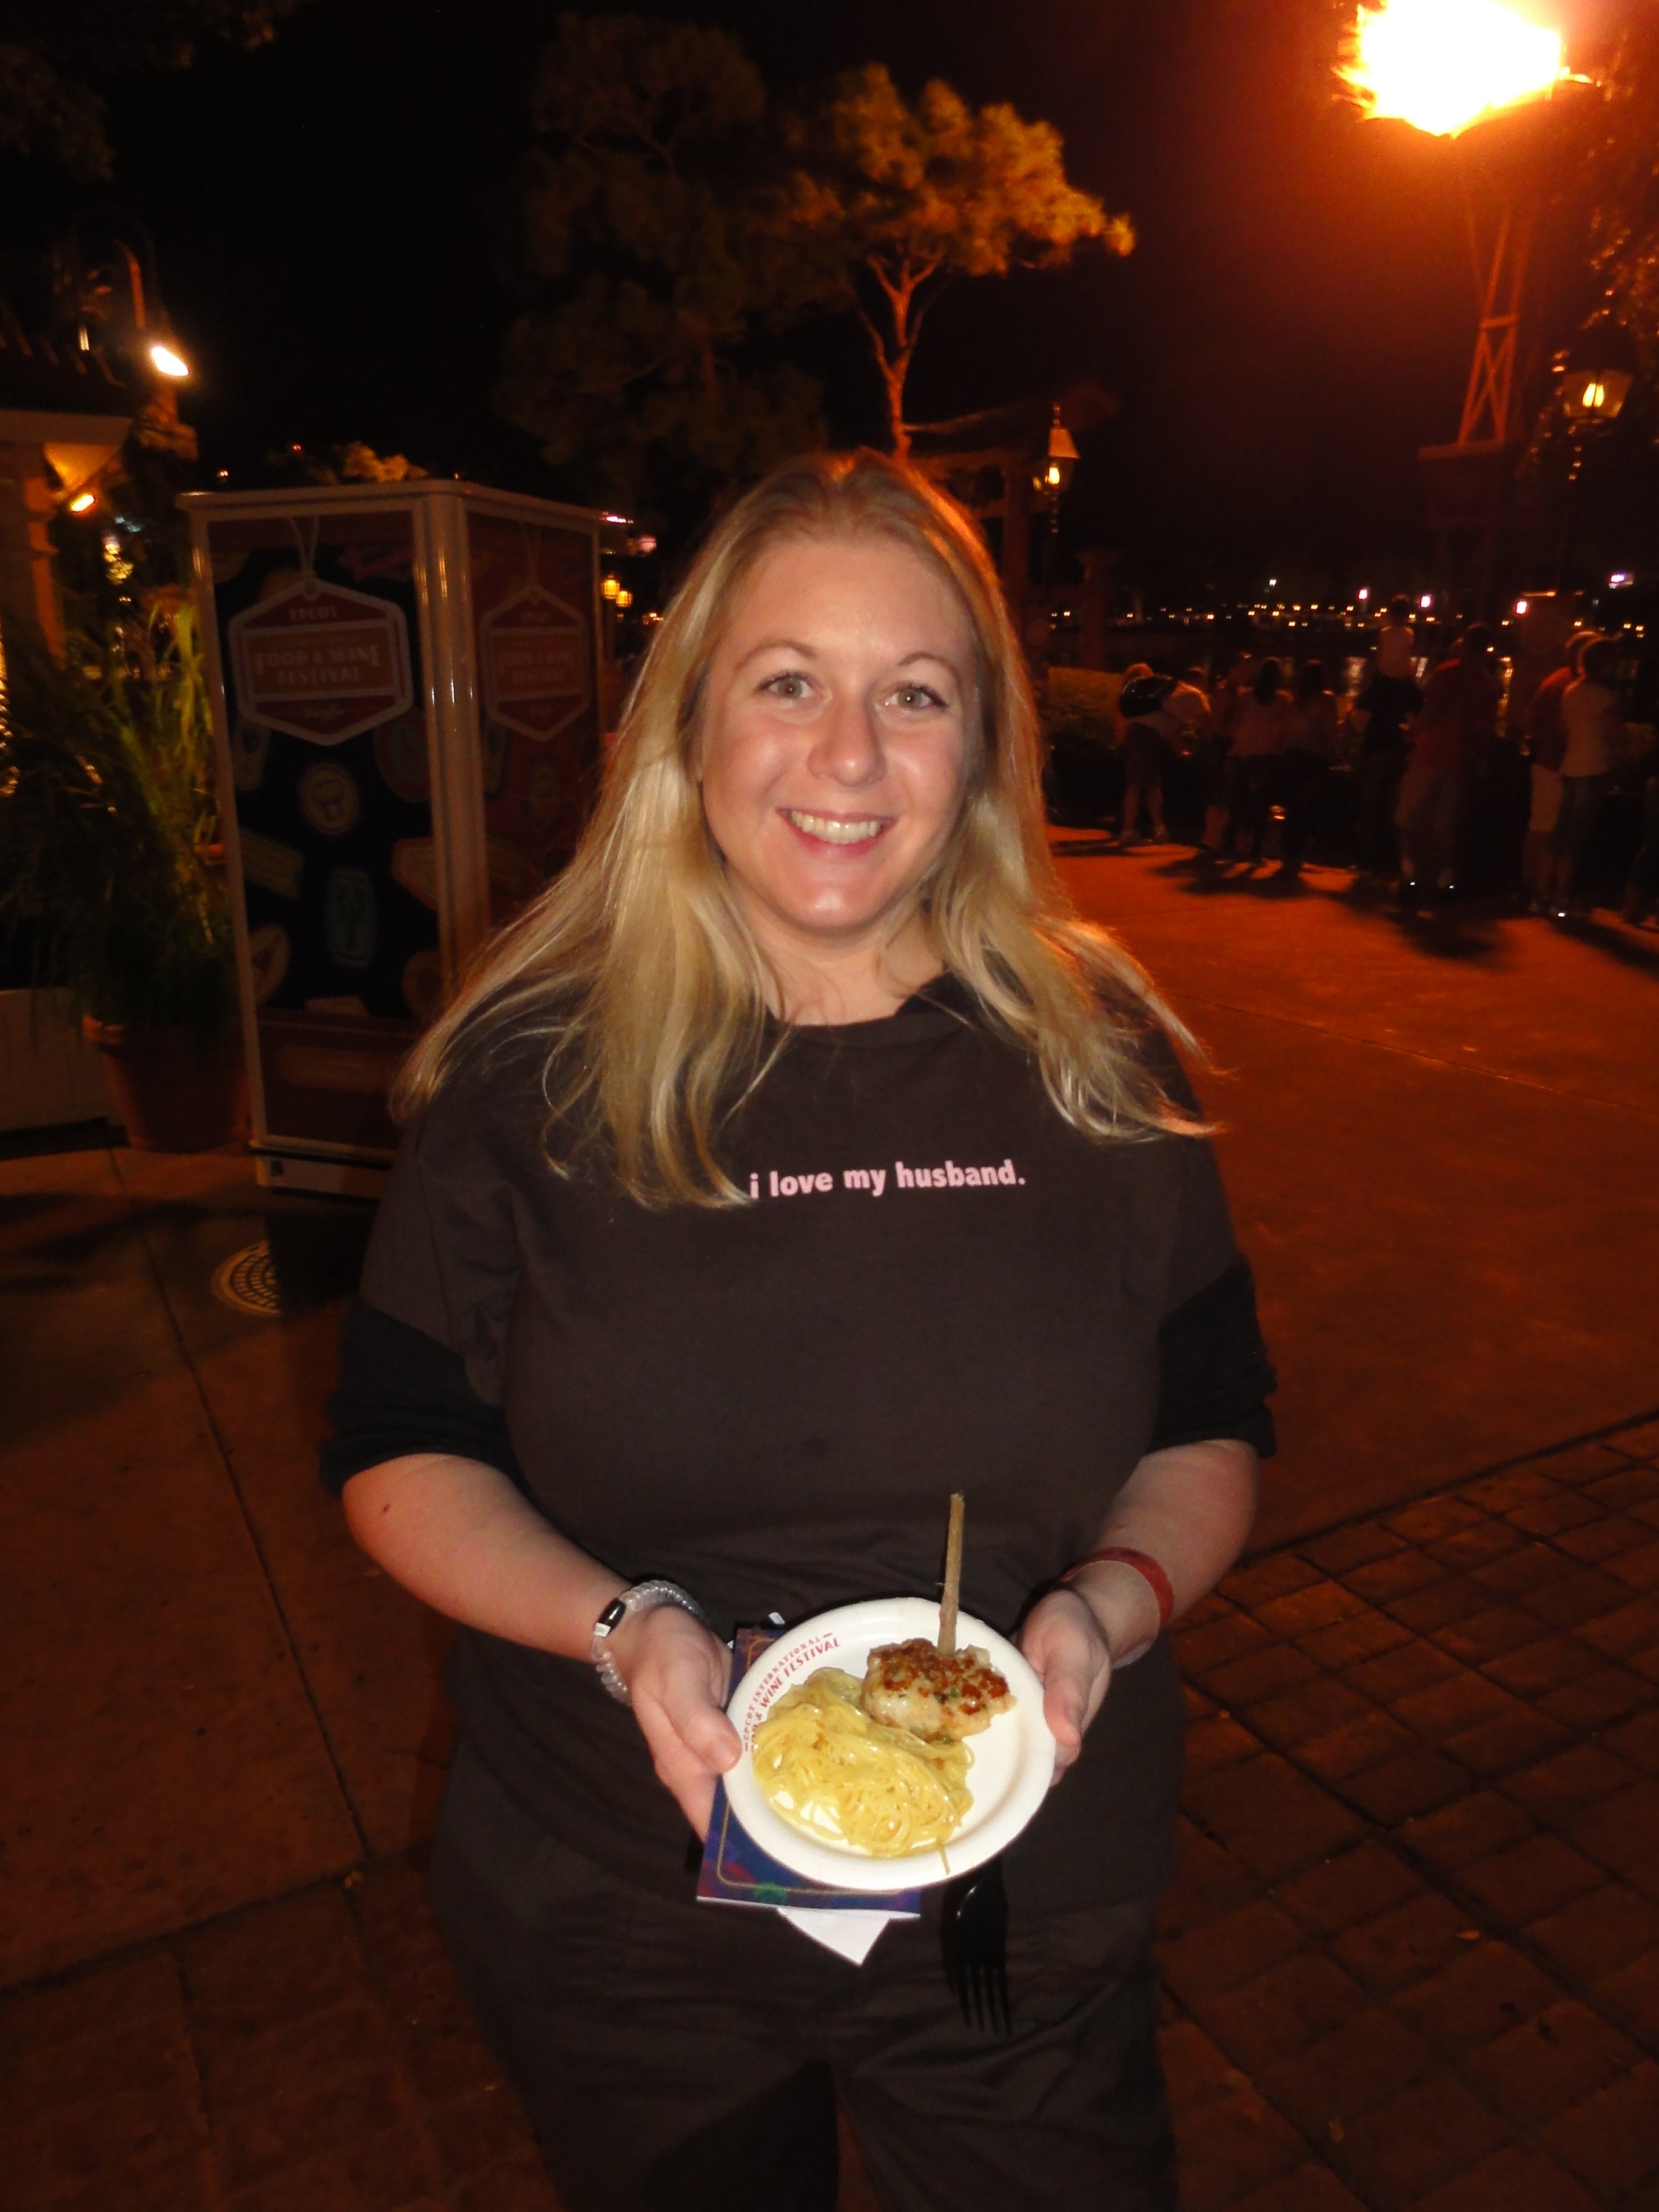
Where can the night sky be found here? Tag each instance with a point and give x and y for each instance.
(1296, 320)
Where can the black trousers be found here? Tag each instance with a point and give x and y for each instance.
(685, 2057)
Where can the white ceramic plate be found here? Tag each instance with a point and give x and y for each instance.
(1014, 1759)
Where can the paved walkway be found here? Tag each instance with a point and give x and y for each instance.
(1412, 1956)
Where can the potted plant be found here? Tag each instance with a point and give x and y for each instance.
(111, 870)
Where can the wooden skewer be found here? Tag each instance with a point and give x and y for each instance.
(952, 1592)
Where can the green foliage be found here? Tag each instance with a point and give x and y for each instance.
(110, 873)
(893, 202)
(50, 49)
(1622, 174)
(1081, 703)
(652, 239)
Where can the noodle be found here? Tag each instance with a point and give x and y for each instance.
(830, 1770)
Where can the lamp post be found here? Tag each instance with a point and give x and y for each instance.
(1490, 81)
(1050, 484)
(1593, 379)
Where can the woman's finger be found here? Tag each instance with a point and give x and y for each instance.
(698, 1722)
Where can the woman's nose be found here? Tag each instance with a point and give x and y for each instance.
(848, 747)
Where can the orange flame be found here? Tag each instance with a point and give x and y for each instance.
(1443, 64)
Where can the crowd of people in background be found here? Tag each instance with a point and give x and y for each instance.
(1447, 775)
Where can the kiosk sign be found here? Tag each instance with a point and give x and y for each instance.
(535, 663)
(321, 662)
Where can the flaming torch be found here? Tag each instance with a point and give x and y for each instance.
(1440, 65)
(1484, 75)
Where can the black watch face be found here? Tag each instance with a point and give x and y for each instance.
(613, 1616)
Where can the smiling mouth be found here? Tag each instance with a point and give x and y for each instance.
(831, 830)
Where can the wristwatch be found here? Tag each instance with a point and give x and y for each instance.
(639, 1597)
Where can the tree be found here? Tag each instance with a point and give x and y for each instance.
(897, 202)
(1621, 174)
(652, 241)
(53, 52)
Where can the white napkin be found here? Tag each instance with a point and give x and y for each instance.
(852, 1933)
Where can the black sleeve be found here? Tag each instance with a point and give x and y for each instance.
(1214, 1372)
(402, 1392)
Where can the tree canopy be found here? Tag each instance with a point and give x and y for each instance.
(675, 221)
(1622, 174)
(54, 52)
(651, 243)
(896, 201)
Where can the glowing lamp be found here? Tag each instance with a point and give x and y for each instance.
(167, 360)
(1060, 458)
(1593, 376)
(1364, 594)
(1619, 579)
(83, 502)
(1521, 606)
(609, 588)
(1426, 601)
(625, 599)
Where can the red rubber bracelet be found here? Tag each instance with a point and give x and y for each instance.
(1144, 1566)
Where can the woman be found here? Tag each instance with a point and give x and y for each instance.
(1309, 751)
(664, 1330)
(1254, 766)
(1388, 701)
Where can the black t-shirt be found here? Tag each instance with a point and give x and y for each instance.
(940, 1286)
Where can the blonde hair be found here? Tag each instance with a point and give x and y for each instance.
(635, 968)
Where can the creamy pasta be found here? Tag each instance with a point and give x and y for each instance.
(828, 1768)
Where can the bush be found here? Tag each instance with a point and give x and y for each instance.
(111, 872)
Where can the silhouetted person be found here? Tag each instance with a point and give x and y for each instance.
(1457, 722)
(1309, 749)
(1253, 765)
(1146, 730)
(1595, 730)
(1546, 743)
(1642, 885)
(1390, 697)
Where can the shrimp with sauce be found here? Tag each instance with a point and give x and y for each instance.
(913, 1686)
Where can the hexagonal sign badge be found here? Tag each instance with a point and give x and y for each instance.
(321, 662)
(536, 674)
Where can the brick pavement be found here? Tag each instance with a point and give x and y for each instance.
(1412, 1956)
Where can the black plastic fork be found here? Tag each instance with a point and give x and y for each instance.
(974, 1935)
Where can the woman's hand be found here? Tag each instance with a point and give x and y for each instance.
(1067, 1647)
(676, 1671)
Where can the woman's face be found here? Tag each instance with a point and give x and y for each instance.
(840, 710)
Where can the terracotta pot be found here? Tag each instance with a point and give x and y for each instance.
(175, 1091)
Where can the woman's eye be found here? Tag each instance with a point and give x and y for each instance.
(787, 687)
(914, 698)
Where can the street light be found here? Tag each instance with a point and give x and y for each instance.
(167, 360)
(1058, 464)
(1593, 378)
(1593, 375)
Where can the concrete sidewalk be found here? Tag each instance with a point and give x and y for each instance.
(223, 1737)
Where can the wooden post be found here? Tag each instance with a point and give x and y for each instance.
(29, 613)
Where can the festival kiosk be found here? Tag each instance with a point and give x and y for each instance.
(404, 682)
